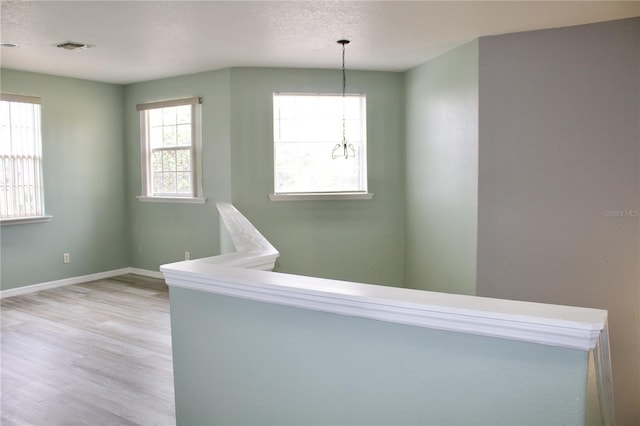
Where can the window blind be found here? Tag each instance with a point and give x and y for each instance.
(21, 194)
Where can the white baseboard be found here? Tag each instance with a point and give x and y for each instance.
(146, 273)
(78, 280)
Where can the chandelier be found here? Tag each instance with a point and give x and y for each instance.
(344, 148)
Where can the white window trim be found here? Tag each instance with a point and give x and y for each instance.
(196, 151)
(25, 220)
(318, 196)
(21, 98)
(186, 200)
(9, 97)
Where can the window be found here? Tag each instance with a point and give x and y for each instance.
(306, 129)
(21, 195)
(170, 141)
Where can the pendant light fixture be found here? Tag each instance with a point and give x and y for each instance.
(343, 149)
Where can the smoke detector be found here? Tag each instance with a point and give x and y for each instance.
(72, 45)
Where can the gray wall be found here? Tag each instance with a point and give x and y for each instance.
(84, 183)
(243, 362)
(559, 160)
(350, 240)
(442, 172)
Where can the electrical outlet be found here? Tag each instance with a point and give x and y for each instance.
(187, 255)
(66, 258)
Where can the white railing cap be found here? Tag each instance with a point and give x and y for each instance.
(555, 325)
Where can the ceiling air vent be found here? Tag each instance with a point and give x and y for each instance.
(72, 45)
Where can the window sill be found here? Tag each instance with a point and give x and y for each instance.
(184, 200)
(25, 220)
(321, 196)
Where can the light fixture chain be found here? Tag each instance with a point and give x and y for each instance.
(344, 89)
(344, 73)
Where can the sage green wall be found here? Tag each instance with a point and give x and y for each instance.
(442, 172)
(243, 362)
(161, 232)
(559, 179)
(95, 127)
(84, 183)
(351, 240)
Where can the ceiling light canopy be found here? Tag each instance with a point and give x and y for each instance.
(72, 45)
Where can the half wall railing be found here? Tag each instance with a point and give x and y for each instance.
(253, 346)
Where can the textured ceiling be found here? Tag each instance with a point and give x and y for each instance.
(145, 40)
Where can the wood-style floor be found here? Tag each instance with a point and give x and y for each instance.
(89, 354)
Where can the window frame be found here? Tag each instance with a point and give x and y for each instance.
(363, 194)
(196, 194)
(37, 172)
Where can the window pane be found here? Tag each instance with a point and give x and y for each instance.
(184, 134)
(157, 183)
(184, 114)
(354, 131)
(308, 168)
(329, 108)
(156, 161)
(155, 137)
(306, 129)
(168, 160)
(169, 136)
(169, 116)
(183, 158)
(184, 182)
(169, 183)
(154, 117)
